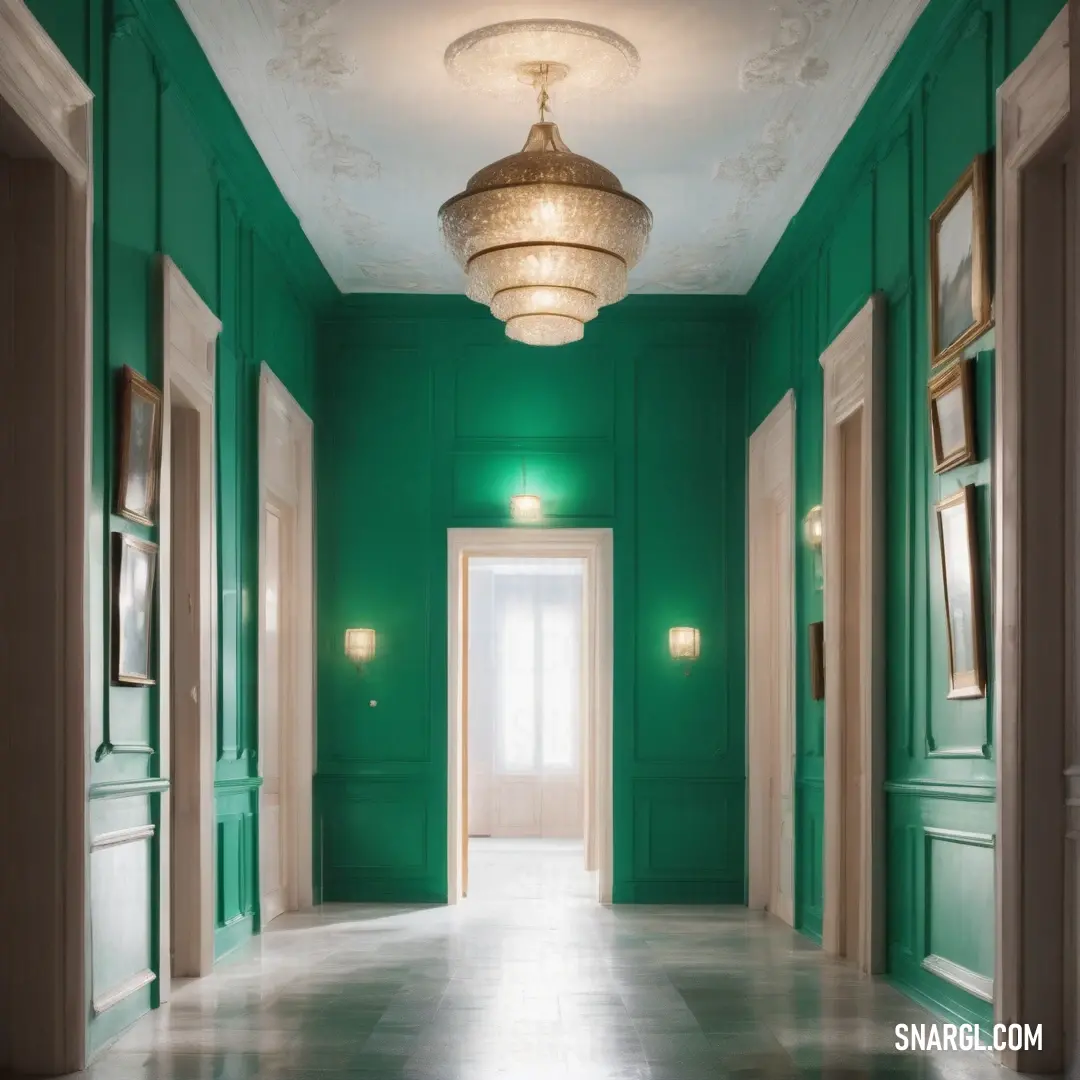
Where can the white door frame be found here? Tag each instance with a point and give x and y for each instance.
(298, 756)
(189, 349)
(1033, 109)
(595, 547)
(770, 490)
(854, 379)
(43, 89)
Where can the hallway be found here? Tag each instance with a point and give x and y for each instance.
(533, 981)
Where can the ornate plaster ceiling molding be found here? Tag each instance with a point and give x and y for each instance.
(789, 61)
(335, 155)
(759, 166)
(500, 60)
(309, 53)
(352, 226)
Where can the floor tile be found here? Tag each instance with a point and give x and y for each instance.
(530, 979)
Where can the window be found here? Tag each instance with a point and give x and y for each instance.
(517, 712)
(537, 625)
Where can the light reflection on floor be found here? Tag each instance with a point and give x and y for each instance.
(530, 978)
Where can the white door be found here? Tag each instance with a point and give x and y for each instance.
(286, 651)
(770, 662)
(272, 809)
(782, 898)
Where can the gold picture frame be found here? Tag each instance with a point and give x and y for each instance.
(961, 296)
(951, 399)
(958, 541)
(134, 563)
(139, 451)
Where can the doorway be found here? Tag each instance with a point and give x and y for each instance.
(527, 691)
(853, 925)
(50, 554)
(286, 651)
(530, 663)
(771, 663)
(189, 331)
(1036, 567)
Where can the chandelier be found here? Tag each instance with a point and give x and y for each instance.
(546, 237)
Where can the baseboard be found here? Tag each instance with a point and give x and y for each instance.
(232, 935)
(678, 892)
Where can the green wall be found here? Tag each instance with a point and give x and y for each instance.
(175, 173)
(863, 229)
(425, 412)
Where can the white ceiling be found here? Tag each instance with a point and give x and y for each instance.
(736, 108)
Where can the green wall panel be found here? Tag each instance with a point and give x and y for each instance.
(560, 398)
(671, 816)
(426, 415)
(863, 228)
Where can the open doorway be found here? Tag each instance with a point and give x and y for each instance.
(853, 549)
(530, 663)
(525, 747)
(286, 650)
(771, 663)
(50, 553)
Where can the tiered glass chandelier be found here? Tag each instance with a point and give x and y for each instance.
(546, 237)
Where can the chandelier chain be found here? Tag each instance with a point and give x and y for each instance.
(543, 98)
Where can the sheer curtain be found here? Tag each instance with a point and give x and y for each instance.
(525, 695)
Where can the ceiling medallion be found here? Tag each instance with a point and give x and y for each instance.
(546, 237)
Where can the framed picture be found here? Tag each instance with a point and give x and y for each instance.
(817, 661)
(961, 304)
(952, 416)
(134, 563)
(140, 448)
(960, 570)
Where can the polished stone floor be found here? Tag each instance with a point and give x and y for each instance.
(529, 979)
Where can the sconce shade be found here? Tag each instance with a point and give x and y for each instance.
(525, 507)
(360, 645)
(684, 642)
(814, 528)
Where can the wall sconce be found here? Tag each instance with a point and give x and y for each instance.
(814, 535)
(360, 646)
(524, 507)
(684, 643)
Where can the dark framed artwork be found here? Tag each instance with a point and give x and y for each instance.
(961, 300)
(134, 563)
(817, 661)
(139, 450)
(952, 416)
(963, 603)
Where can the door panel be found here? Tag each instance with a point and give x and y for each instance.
(783, 902)
(770, 660)
(271, 868)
